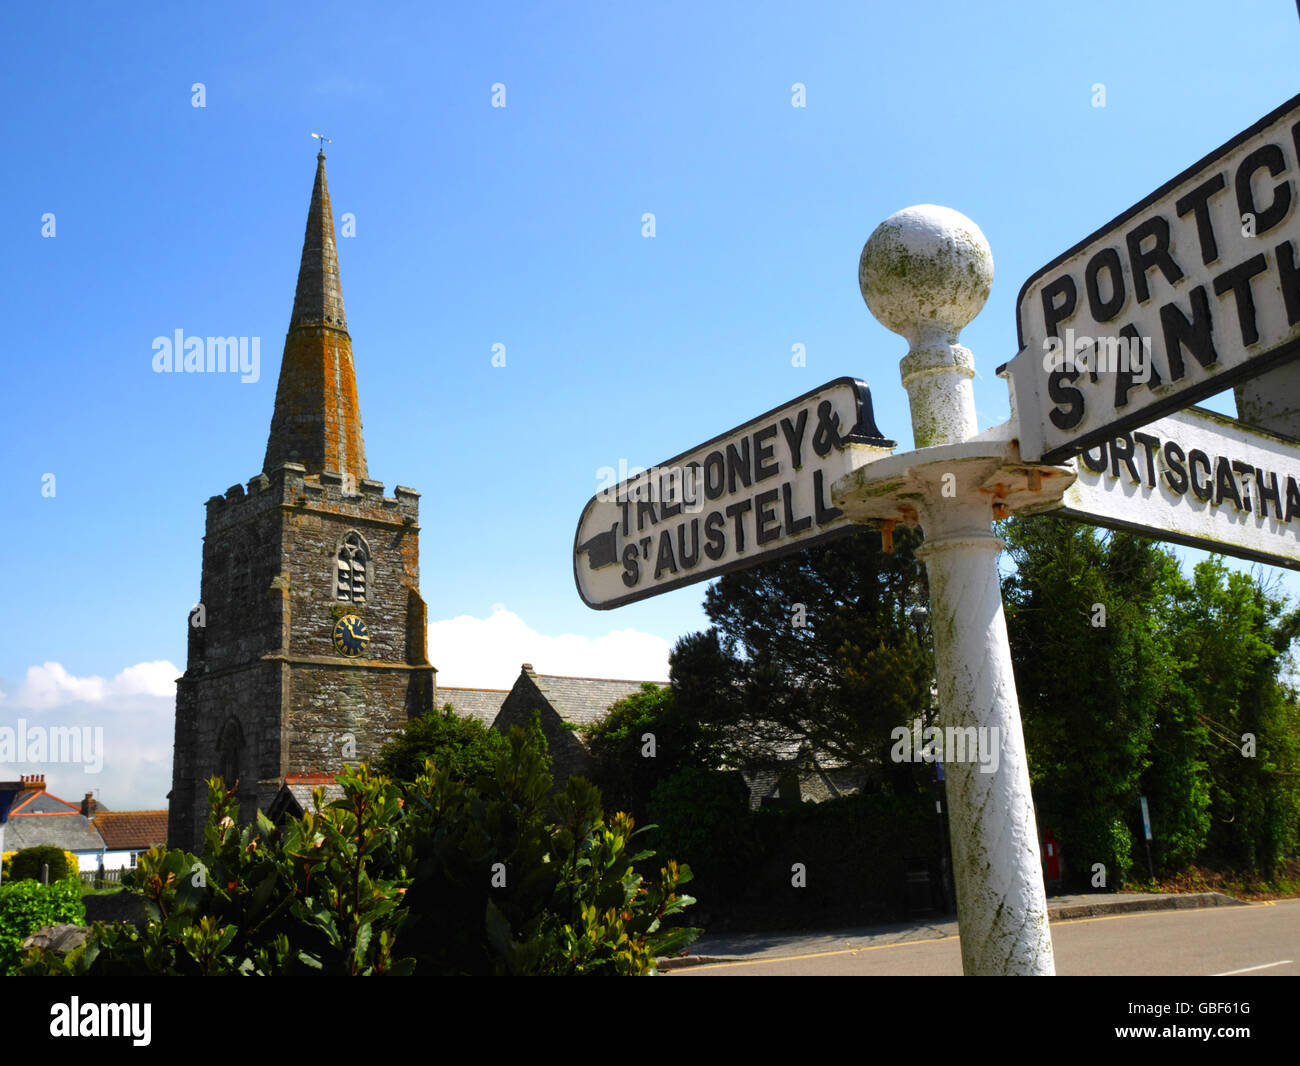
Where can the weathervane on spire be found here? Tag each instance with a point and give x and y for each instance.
(323, 141)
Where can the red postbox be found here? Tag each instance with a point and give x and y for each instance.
(1051, 856)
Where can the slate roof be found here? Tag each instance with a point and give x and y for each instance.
(39, 819)
(482, 704)
(584, 700)
(42, 819)
(33, 801)
(294, 796)
(816, 784)
(302, 794)
(132, 830)
(763, 784)
(70, 832)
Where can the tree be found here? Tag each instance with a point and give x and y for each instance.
(27, 864)
(1133, 678)
(645, 738)
(1243, 737)
(1094, 666)
(1136, 681)
(464, 746)
(815, 650)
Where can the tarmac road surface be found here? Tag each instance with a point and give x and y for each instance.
(1254, 940)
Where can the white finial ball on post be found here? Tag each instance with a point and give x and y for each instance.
(924, 273)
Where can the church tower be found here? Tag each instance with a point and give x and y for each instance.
(307, 650)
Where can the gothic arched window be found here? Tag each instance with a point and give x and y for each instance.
(352, 570)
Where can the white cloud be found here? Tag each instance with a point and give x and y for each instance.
(50, 685)
(157, 678)
(132, 713)
(487, 652)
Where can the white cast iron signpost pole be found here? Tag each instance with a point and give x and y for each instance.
(925, 273)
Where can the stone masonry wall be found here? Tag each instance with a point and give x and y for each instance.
(243, 700)
(265, 657)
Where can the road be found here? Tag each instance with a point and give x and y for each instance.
(1262, 940)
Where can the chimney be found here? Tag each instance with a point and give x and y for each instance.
(88, 805)
(33, 782)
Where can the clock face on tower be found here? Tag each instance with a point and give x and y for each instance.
(351, 636)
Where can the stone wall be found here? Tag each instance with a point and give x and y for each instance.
(331, 703)
(244, 701)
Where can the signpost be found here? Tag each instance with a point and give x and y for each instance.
(1188, 292)
(1195, 478)
(1146, 831)
(769, 486)
(1195, 289)
(744, 497)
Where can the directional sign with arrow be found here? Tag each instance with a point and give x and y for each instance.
(745, 496)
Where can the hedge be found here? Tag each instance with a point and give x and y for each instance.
(25, 906)
(26, 864)
(853, 853)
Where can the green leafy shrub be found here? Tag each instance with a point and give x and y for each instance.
(623, 767)
(27, 905)
(705, 814)
(855, 851)
(26, 865)
(1099, 837)
(71, 863)
(434, 876)
(464, 746)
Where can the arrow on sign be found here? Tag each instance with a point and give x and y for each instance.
(602, 549)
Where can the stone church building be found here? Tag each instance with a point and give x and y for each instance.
(308, 648)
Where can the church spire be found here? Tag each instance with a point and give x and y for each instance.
(317, 420)
(319, 299)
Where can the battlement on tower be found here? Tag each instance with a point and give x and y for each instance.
(290, 486)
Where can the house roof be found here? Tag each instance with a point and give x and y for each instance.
(34, 799)
(815, 785)
(294, 796)
(41, 819)
(57, 824)
(482, 704)
(583, 700)
(130, 830)
(302, 795)
(38, 801)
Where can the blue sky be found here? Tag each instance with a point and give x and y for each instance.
(521, 226)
